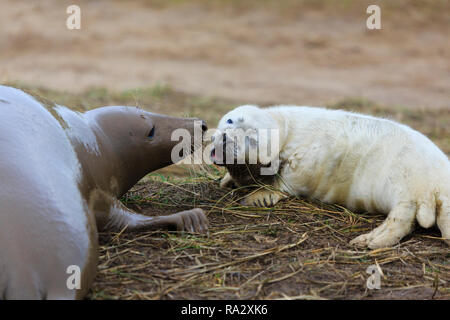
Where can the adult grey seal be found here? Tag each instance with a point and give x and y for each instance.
(61, 173)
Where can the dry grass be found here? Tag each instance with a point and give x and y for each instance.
(299, 249)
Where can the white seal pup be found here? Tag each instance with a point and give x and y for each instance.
(361, 162)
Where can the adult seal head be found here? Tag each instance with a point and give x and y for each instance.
(61, 173)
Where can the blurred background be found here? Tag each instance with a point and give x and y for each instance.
(203, 57)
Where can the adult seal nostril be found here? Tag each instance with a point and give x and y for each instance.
(61, 173)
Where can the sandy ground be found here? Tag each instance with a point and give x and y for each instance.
(302, 55)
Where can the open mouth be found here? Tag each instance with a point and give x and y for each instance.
(214, 158)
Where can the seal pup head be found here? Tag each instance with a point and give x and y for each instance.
(249, 136)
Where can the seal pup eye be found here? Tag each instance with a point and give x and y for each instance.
(151, 134)
(229, 121)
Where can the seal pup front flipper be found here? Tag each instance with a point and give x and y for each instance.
(227, 181)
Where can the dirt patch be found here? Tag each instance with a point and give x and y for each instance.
(301, 52)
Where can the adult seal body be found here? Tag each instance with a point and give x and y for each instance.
(361, 162)
(61, 173)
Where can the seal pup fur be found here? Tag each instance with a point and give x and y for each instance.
(361, 162)
(61, 173)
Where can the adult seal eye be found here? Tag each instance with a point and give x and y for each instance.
(229, 121)
(151, 134)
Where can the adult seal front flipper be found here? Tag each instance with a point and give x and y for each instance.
(111, 214)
